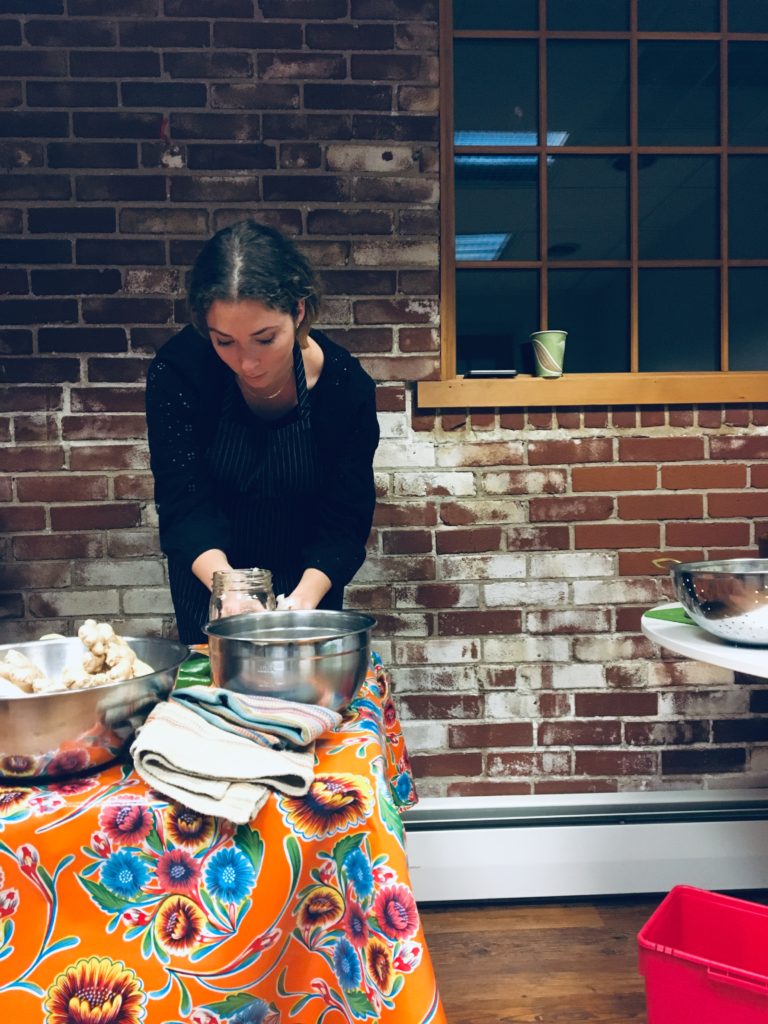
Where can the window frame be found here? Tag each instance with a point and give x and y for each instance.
(585, 389)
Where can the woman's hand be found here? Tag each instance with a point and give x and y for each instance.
(312, 588)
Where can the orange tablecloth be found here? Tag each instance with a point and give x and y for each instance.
(118, 907)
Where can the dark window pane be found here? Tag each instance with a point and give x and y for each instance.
(587, 208)
(748, 94)
(679, 319)
(599, 15)
(588, 92)
(514, 14)
(678, 93)
(495, 92)
(678, 15)
(593, 306)
(748, 207)
(747, 16)
(496, 207)
(496, 311)
(748, 318)
(679, 208)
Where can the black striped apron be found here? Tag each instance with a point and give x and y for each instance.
(264, 474)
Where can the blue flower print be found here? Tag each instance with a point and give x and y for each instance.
(346, 963)
(124, 873)
(230, 876)
(403, 786)
(359, 872)
(253, 1013)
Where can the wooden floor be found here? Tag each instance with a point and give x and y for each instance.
(539, 963)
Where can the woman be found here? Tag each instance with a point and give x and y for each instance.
(261, 435)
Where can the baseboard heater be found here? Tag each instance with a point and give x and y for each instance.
(473, 849)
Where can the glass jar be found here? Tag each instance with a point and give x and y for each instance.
(241, 590)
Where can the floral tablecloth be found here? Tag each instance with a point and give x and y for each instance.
(118, 907)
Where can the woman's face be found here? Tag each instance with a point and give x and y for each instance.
(255, 341)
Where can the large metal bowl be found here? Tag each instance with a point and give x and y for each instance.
(728, 598)
(54, 735)
(313, 657)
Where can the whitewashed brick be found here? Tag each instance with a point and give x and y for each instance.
(537, 481)
(377, 159)
(706, 704)
(425, 736)
(418, 485)
(513, 511)
(658, 784)
(572, 620)
(751, 780)
(393, 424)
(510, 706)
(437, 678)
(468, 596)
(531, 677)
(482, 567)
(437, 652)
(381, 253)
(513, 594)
(146, 599)
(485, 453)
(390, 568)
(514, 650)
(402, 455)
(578, 677)
(84, 604)
(691, 673)
(616, 592)
(384, 649)
(604, 648)
(336, 311)
(118, 573)
(574, 564)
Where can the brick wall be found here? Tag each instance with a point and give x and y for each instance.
(512, 553)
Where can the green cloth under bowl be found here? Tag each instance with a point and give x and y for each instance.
(676, 614)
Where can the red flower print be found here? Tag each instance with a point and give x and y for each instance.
(9, 902)
(178, 872)
(355, 924)
(395, 910)
(408, 958)
(126, 822)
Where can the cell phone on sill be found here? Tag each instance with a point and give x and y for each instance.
(489, 374)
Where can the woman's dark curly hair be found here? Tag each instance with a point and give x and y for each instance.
(248, 260)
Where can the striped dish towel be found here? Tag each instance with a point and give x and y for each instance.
(220, 753)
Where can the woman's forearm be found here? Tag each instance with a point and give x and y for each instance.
(209, 562)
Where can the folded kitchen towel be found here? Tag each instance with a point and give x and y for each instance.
(220, 753)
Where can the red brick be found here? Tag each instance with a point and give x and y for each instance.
(578, 734)
(68, 487)
(738, 505)
(21, 519)
(31, 458)
(438, 765)
(615, 762)
(487, 788)
(641, 563)
(478, 539)
(533, 538)
(667, 734)
(661, 449)
(568, 621)
(560, 510)
(661, 506)
(469, 623)
(433, 595)
(59, 545)
(493, 734)
(706, 535)
(528, 764)
(93, 427)
(614, 478)
(703, 477)
(407, 542)
(95, 517)
(554, 705)
(617, 703)
(617, 536)
(501, 678)
(415, 513)
(438, 707)
(138, 486)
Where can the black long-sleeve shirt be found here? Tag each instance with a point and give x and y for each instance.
(215, 494)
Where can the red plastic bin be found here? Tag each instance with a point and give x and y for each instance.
(705, 959)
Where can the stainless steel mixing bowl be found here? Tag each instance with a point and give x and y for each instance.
(313, 657)
(728, 598)
(55, 735)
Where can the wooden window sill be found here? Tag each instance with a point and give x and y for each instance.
(585, 389)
